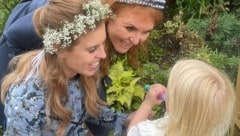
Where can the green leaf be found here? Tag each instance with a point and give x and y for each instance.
(139, 92)
(122, 93)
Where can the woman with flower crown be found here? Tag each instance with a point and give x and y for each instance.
(53, 91)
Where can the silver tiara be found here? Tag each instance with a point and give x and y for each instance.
(159, 4)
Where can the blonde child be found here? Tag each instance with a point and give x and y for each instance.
(200, 102)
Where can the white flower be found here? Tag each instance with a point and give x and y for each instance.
(94, 11)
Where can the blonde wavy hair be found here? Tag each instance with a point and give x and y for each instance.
(201, 100)
(53, 14)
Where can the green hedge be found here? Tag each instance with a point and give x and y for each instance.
(5, 9)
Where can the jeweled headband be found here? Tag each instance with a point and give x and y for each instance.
(94, 11)
(158, 4)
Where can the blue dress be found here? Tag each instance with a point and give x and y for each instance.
(18, 36)
(26, 112)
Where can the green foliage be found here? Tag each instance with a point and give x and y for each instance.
(219, 60)
(193, 40)
(192, 7)
(162, 49)
(150, 73)
(1, 130)
(199, 25)
(124, 94)
(227, 35)
(200, 8)
(174, 41)
(154, 53)
(223, 36)
(5, 9)
(235, 7)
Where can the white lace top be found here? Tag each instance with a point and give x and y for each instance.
(149, 128)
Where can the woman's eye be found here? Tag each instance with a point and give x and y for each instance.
(91, 50)
(146, 32)
(130, 28)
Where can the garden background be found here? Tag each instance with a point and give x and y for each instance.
(208, 30)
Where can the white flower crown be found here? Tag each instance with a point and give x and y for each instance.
(95, 12)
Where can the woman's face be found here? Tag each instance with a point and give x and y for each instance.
(85, 55)
(130, 27)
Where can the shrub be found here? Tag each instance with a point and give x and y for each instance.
(124, 94)
(5, 9)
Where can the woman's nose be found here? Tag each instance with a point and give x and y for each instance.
(135, 38)
(102, 53)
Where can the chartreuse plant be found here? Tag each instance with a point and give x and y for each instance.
(124, 94)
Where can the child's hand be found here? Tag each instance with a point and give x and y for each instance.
(151, 99)
(152, 96)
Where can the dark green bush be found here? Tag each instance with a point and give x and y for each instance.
(224, 37)
(5, 9)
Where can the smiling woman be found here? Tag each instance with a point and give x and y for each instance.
(88, 47)
(130, 28)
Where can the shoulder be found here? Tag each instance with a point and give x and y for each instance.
(148, 128)
(29, 92)
(23, 104)
(22, 9)
(19, 25)
(20, 30)
(36, 4)
(25, 87)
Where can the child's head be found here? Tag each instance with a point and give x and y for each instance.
(201, 100)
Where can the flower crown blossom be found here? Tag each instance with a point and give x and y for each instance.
(93, 12)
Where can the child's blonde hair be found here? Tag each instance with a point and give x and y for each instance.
(201, 100)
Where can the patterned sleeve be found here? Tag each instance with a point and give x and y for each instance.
(22, 105)
(112, 120)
